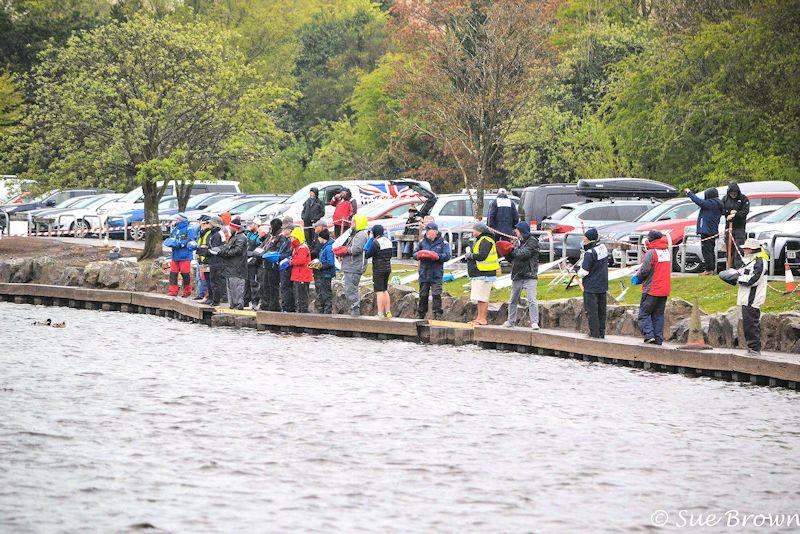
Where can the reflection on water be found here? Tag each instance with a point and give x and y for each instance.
(122, 420)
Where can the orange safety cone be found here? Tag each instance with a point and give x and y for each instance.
(695, 339)
(790, 285)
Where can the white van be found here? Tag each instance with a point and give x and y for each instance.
(364, 192)
(134, 199)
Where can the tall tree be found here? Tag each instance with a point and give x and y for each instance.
(146, 101)
(481, 62)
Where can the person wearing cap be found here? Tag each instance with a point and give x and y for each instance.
(482, 265)
(313, 210)
(324, 272)
(202, 275)
(354, 262)
(412, 227)
(182, 242)
(502, 216)
(752, 292)
(524, 258)
(432, 252)
(215, 275)
(301, 274)
(379, 247)
(593, 273)
(287, 287)
(315, 246)
(254, 252)
(233, 254)
(274, 247)
(655, 276)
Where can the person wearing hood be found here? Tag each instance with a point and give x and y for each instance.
(708, 226)
(274, 246)
(287, 286)
(254, 252)
(524, 258)
(593, 273)
(482, 265)
(313, 210)
(502, 215)
(324, 272)
(735, 207)
(380, 249)
(301, 274)
(432, 253)
(233, 254)
(655, 276)
(182, 242)
(343, 212)
(752, 294)
(354, 262)
(412, 227)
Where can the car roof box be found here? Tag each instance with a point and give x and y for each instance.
(624, 188)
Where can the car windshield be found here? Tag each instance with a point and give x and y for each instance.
(167, 203)
(657, 212)
(70, 202)
(783, 214)
(223, 204)
(85, 201)
(196, 201)
(375, 208)
(299, 195)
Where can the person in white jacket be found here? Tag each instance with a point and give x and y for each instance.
(752, 283)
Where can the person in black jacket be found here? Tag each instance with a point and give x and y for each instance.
(287, 287)
(215, 279)
(313, 210)
(593, 273)
(233, 254)
(524, 259)
(735, 207)
(381, 250)
(254, 252)
(502, 215)
(270, 288)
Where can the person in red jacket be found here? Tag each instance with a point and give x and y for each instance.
(343, 212)
(301, 272)
(655, 275)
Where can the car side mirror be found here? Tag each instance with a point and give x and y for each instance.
(50, 203)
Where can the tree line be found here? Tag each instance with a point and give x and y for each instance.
(475, 94)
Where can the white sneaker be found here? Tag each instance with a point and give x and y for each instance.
(534, 326)
(507, 324)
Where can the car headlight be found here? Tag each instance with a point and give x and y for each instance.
(766, 236)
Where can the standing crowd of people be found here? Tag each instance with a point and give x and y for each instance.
(271, 266)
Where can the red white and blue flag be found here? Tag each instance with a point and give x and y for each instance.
(381, 190)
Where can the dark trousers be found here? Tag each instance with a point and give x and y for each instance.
(287, 291)
(594, 304)
(651, 317)
(217, 286)
(324, 294)
(709, 256)
(739, 236)
(426, 288)
(309, 231)
(751, 321)
(270, 291)
(300, 290)
(251, 285)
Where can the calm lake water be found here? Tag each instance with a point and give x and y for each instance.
(122, 420)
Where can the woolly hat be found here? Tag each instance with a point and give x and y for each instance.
(325, 234)
(524, 228)
(481, 227)
(592, 234)
(654, 235)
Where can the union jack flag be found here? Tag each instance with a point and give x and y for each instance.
(381, 190)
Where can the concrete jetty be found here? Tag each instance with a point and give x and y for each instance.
(769, 369)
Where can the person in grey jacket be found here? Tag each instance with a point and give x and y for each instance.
(354, 263)
(524, 258)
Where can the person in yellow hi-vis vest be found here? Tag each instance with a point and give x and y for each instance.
(482, 265)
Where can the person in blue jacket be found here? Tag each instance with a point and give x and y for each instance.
(435, 252)
(593, 273)
(324, 275)
(182, 242)
(708, 226)
(502, 216)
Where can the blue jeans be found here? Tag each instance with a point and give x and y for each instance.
(201, 283)
(651, 317)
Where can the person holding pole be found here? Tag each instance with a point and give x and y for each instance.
(752, 292)
(735, 206)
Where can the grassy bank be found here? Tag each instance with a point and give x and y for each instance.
(713, 294)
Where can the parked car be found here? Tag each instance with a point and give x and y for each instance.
(363, 192)
(785, 220)
(79, 218)
(236, 205)
(693, 247)
(134, 199)
(539, 201)
(117, 223)
(571, 220)
(49, 200)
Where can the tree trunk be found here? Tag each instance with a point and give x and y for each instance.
(183, 190)
(152, 243)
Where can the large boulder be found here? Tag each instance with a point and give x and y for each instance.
(781, 331)
(723, 329)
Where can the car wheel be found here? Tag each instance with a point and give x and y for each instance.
(137, 233)
(692, 266)
(81, 228)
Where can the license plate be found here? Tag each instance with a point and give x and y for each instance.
(791, 254)
(617, 254)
